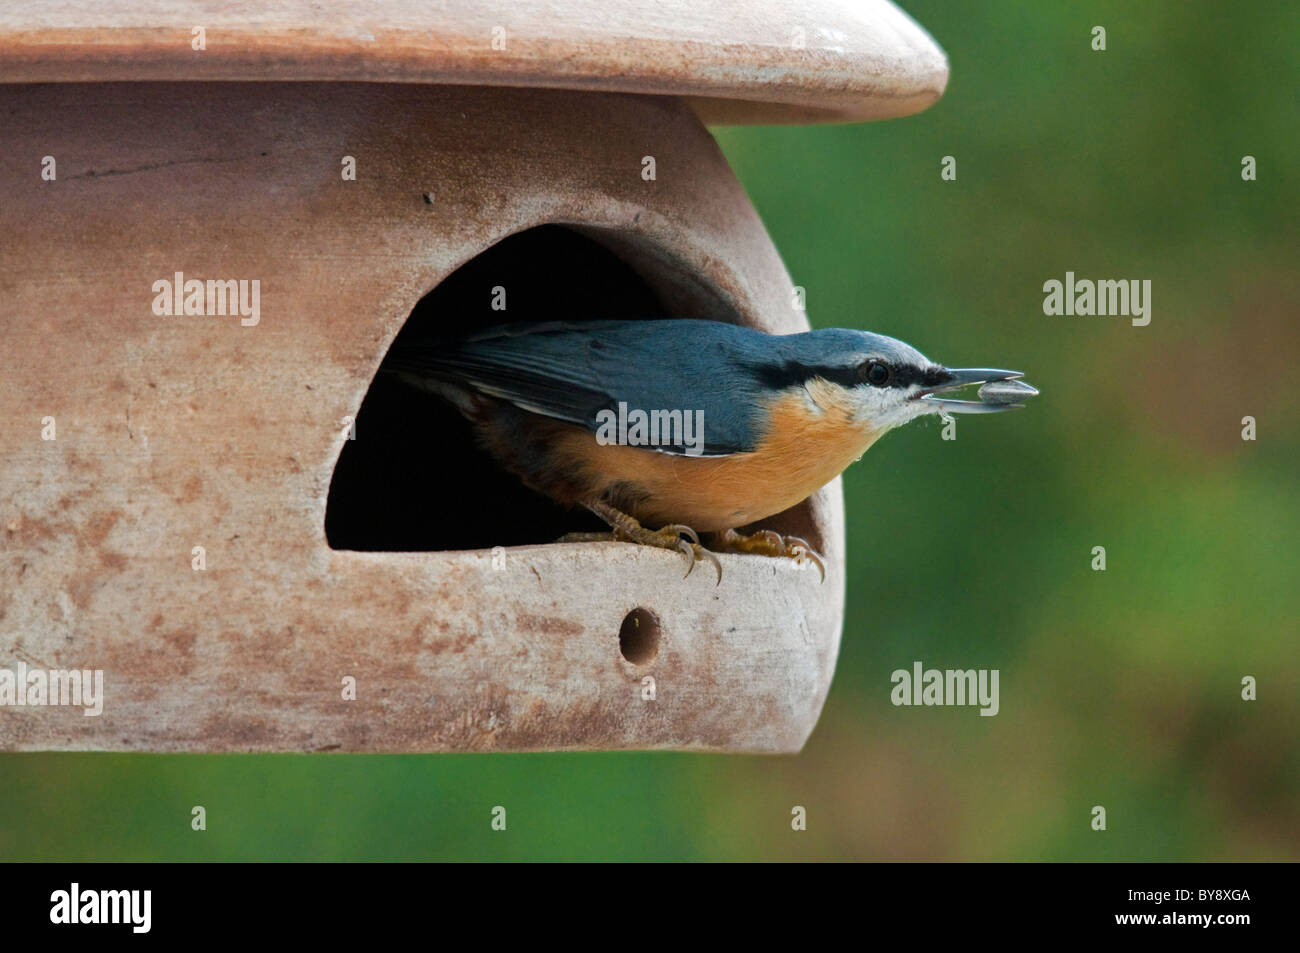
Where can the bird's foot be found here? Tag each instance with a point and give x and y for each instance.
(627, 529)
(767, 543)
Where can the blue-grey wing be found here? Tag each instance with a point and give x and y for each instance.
(576, 371)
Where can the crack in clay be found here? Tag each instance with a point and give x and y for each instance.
(92, 174)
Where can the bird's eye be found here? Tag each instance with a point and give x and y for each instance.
(876, 373)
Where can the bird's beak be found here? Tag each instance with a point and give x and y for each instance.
(1002, 390)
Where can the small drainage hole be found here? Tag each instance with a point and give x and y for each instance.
(638, 638)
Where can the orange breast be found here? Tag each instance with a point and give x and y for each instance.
(810, 440)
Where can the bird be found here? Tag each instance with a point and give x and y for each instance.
(669, 428)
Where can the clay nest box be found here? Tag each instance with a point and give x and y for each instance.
(260, 543)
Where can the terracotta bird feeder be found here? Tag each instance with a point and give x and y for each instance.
(216, 220)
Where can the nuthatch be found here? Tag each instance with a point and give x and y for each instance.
(781, 416)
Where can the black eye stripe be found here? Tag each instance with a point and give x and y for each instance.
(907, 375)
(792, 374)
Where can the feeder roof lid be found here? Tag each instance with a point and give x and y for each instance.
(742, 61)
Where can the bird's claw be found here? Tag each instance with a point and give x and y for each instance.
(682, 530)
(799, 550)
(626, 528)
(694, 552)
(764, 542)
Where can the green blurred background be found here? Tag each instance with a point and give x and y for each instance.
(1119, 688)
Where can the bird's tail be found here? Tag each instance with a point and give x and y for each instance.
(420, 369)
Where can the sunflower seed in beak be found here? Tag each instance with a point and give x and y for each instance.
(1006, 392)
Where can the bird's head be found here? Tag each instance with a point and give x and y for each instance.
(885, 383)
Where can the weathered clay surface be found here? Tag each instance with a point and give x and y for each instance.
(760, 61)
(176, 432)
